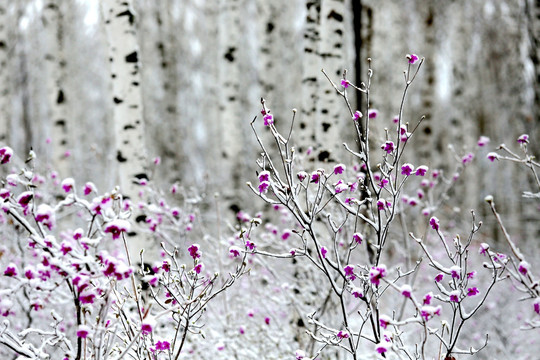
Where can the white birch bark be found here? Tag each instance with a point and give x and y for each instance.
(53, 14)
(129, 127)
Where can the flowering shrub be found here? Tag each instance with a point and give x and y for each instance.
(69, 287)
(344, 222)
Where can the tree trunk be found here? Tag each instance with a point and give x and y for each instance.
(129, 126)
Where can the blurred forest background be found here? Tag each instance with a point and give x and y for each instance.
(196, 71)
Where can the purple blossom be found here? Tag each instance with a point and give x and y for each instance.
(302, 175)
(88, 188)
(83, 331)
(357, 292)
(163, 345)
(383, 183)
(428, 312)
(146, 327)
(377, 273)
(300, 354)
(316, 176)
(194, 251)
(434, 222)
(263, 187)
(345, 83)
(413, 58)
(373, 113)
(439, 277)
(467, 158)
(472, 291)
(407, 169)
(388, 146)
(492, 156)
(235, 251)
(483, 250)
(471, 275)
(357, 238)
(421, 170)
(264, 176)
(323, 252)
(268, 119)
(11, 270)
(454, 296)
(523, 267)
(68, 184)
(342, 335)
(455, 272)
(45, 215)
(340, 187)
(483, 141)
(523, 139)
(353, 186)
(427, 298)
(339, 169)
(5, 154)
(357, 115)
(536, 305)
(381, 348)
(117, 227)
(384, 321)
(349, 272)
(406, 291)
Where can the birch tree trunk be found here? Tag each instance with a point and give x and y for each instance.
(129, 127)
(4, 75)
(55, 59)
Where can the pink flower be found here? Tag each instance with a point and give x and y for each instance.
(467, 158)
(5, 154)
(194, 251)
(492, 156)
(339, 169)
(83, 331)
(523, 267)
(315, 177)
(264, 176)
(89, 188)
(388, 146)
(483, 141)
(377, 273)
(472, 291)
(413, 58)
(381, 348)
(268, 119)
(68, 184)
(117, 227)
(323, 252)
(454, 296)
(406, 291)
(455, 272)
(421, 170)
(483, 250)
(235, 251)
(383, 183)
(357, 238)
(263, 187)
(434, 222)
(373, 113)
(349, 272)
(198, 268)
(24, 198)
(163, 345)
(471, 275)
(523, 139)
(342, 335)
(357, 292)
(300, 354)
(302, 175)
(357, 115)
(11, 270)
(344, 83)
(428, 312)
(439, 277)
(407, 169)
(427, 298)
(384, 321)
(147, 326)
(340, 187)
(267, 320)
(536, 305)
(45, 215)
